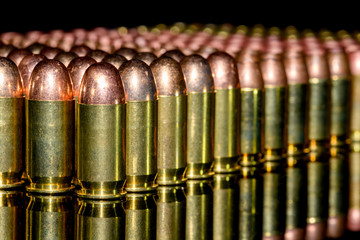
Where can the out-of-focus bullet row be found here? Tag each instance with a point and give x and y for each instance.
(271, 117)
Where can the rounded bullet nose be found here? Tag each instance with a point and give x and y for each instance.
(101, 85)
(50, 81)
(66, 57)
(249, 55)
(128, 53)
(115, 60)
(295, 68)
(335, 227)
(35, 48)
(317, 64)
(80, 50)
(168, 77)
(16, 55)
(10, 81)
(5, 49)
(294, 234)
(338, 64)
(50, 52)
(138, 81)
(27, 66)
(353, 220)
(197, 73)
(146, 57)
(224, 70)
(273, 70)
(97, 55)
(77, 68)
(250, 75)
(175, 54)
(315, 231)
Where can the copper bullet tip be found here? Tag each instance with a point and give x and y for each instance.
(128, 53)
(224, 70)
(335, 227)
(197, 73)
(272, 238)
(138, 81)
(146, 57)
(80, 50)
(35, 48)
(98, 55)
(66, 57)
(115, 60)
(338, 64)
(273, 70)
(10, 81)
(315, 231)
(175, 54)
(353, 220)
(16, 55)
(50, 81)
(27, 66)
(101, 85)
(316, 64)
(168, 77)
(77, 68)
(248, 54)
(5, 49)
(294, 234)
(295, 68)
(250, 75)
(50, 52)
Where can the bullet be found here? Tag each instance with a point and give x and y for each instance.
(12, 127)
(5, 49)
(339, 120)
(318, 134)
(225, 206)
(170, 215)
(115, 60)
(66, 57)
(16, 55)
(100, 219)
(50, 52)
(199, 205)
(227, 112)
(353, 219)
(297, 77)
(97, 54)
(146, 57)
(275, 82)
(101, 123)
(140, 97)
(200, 89)
(175, 54)
(128, 53)
(171, 121)
(50, 128)
(12, 215)
(251, 148)
(140, 211)
(50, 217)
(80, 50)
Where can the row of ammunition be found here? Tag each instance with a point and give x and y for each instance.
(276, 116)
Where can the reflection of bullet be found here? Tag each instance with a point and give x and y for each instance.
(128, 53)
(50, 128)
(26, 67)
(199, 206)
(146, 57)
(100, 220)
(200, 86)
(175, 54)
(225, 206)
(273, 73)
(12, 127)
(66, 57)
(140, 97)
(339, 120)
(140, 222)
(115, 60)
(12, 215)
(251, 148)
(227, 112)
(318, 126)
(171, 208)
(171, 120)
(297, 78)
(50, 217)
(101, 112)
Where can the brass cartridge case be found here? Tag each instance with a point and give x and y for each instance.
(170, 216)
(50, 217)
(140, 222)
(12, 126)
(100, 220)
(199, 205)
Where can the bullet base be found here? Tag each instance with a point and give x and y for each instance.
(12, 185)
(48, 188)
(199, 171)
(226, 165)
(170, 177)
(93, 195)
(140, 183)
